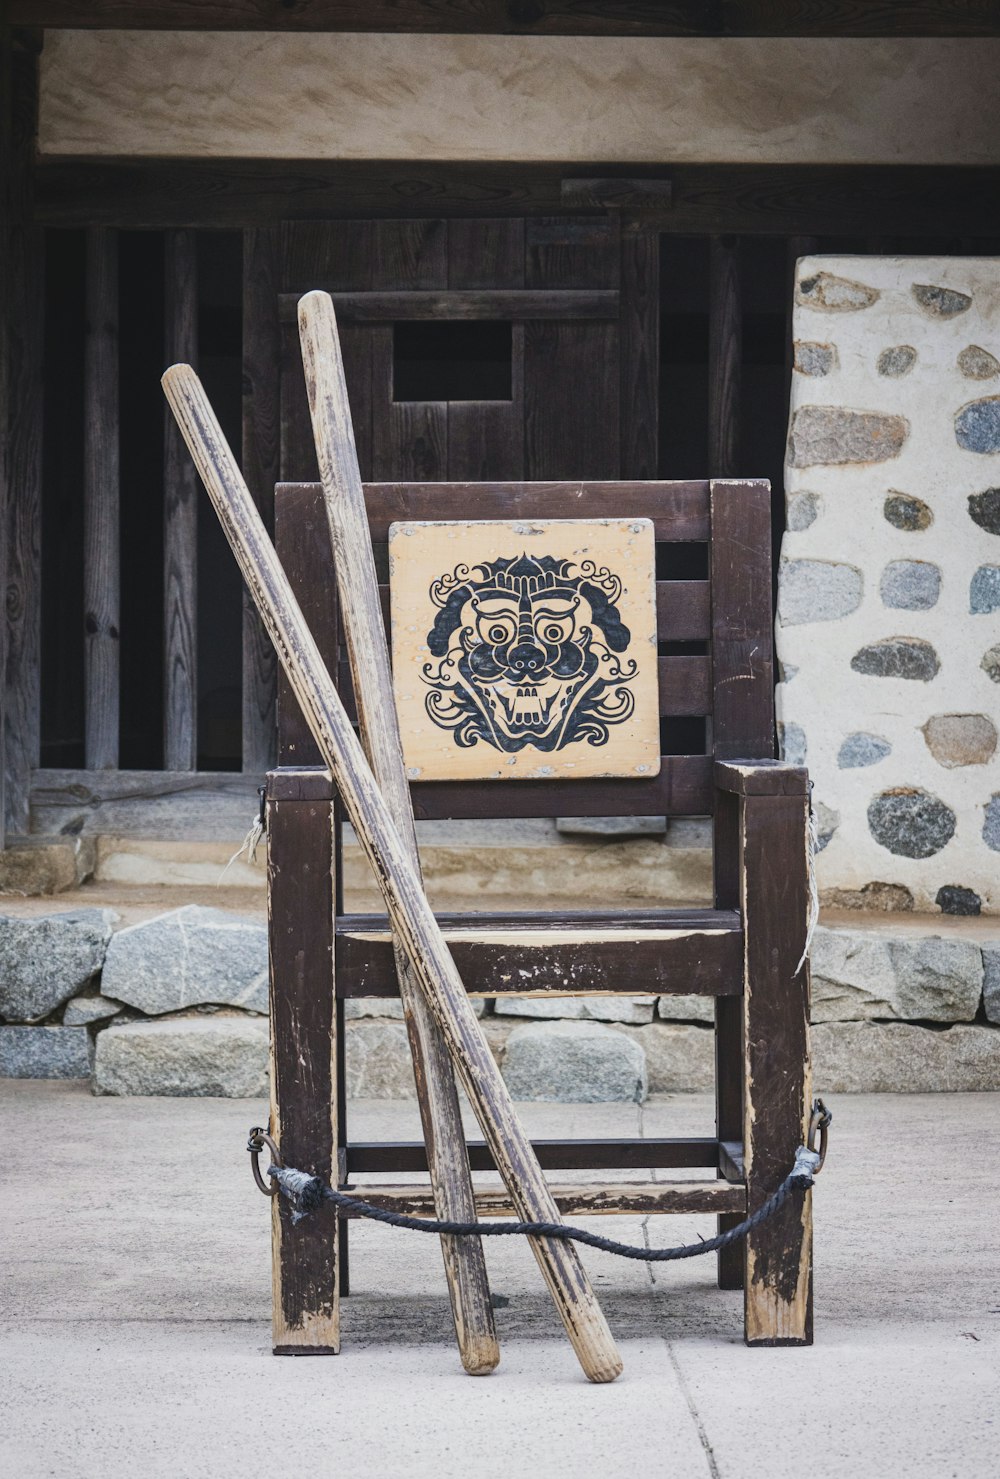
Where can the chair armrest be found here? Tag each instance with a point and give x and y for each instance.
(761, 778)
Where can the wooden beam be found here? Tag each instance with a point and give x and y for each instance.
(635, 1153)
(169, 805)
(640, 354)
(6, 182)
(101, 559)
(711, 199)
(725, 357)
(180, 519)
(542, 18)
(591, 1199)
(507, 305)
(21, 534)
(261, 452)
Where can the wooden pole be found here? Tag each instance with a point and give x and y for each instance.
(180, 522)
(101, 562)
(411, 914)
(361, 614)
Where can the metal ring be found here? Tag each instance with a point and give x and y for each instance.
(259, 1137)
(819, 1124)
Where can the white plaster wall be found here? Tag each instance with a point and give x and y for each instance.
(367, 96)
(825, 698)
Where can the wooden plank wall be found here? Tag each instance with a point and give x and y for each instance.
(180, 519)
(22, 532)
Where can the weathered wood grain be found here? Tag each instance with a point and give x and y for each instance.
(640, 355)
(171, 805)
(261, 468)
(725, 356)
(412, 916)
(304, 1088)
(444, 305)
(465, 1266)
(774, 845)
(180, 520)
(591, 1199)
(708, 199)
(22, 532)
(101, 556)
(544, 18)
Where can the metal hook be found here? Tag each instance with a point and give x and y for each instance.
(259, 1138)
(819, 1124)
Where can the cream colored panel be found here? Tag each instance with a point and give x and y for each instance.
(525, 650)
(525, 98)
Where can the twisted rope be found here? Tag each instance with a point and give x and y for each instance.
(307, 1193)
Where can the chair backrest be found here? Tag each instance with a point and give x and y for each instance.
(714, 631)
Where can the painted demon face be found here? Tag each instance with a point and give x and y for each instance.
(526, 651)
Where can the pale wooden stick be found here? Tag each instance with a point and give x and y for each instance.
(361, 615)
(411, 914)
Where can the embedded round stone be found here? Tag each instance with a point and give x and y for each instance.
(802, 511)
(991, 823)
(960, 739)
(977, 363)
(834, 435)
(792, 743)
(904, 512)
(984, 591)
(977, 425)
(911, 823)
(897, 361)
(814, 359)
(862, 749)
(898, 657)
(951, 898)
(941, 302)
(787, 671)
(817, 590)
(910, 585)
(833, 294)
(984, 509)
(827, 822)
(991, 663)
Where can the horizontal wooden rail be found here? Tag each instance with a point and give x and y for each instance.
(506, 305)
(169, 805)
(402, 1157)
(679, 510)
(700, 958)
(637, 1198)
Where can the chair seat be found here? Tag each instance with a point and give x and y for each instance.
(635, 953)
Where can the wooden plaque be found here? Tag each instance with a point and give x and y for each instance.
(525, 650)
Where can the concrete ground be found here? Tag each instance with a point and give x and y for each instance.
(135, 1319)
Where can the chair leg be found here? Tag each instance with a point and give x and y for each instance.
(306, 1309)
(774, 870)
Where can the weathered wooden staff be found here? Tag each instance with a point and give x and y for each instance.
(354, 562)
(411, 914)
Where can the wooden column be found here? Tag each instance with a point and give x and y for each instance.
(725, 353)
(640, 353)
(22, 526)
(180, 518)
(261, 452)
(742, 728)
(307, 1088)
(304, 1070)
(774, 873)
(101, 561)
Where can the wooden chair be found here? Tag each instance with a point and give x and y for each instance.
(744, 952)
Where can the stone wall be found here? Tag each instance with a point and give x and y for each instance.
(177, 1005)
(613, 99)
(888, 626)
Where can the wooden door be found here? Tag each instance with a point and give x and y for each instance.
(480, 350)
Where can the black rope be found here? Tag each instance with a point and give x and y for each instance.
(307, 1193)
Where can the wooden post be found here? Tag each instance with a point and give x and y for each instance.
(304, 1097)
(742, 708)
(101, 564)
(411, 914)
(774, 844)
(725, 353)
(444, 1137)
(22, 532)
(180, 520)
(640, 354)
(261, 452)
